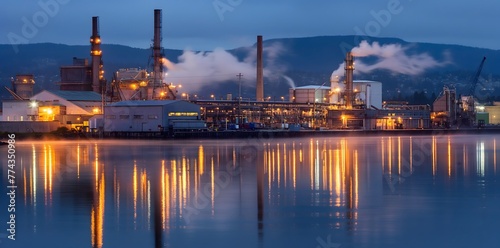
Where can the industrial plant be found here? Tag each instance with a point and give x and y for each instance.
(140, 100)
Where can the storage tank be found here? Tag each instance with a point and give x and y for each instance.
(309, 94)
(369, 92)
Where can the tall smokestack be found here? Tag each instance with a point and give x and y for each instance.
(96, 53)
(157, 53)
(260, 71)
(349, 70)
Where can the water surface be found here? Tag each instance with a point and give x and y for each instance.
(421, 191)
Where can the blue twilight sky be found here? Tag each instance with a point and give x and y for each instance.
(206, 24)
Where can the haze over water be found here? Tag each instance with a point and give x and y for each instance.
(408, 191)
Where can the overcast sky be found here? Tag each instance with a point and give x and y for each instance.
(207, 24)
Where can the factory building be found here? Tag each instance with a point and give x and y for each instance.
(380, 119)
(367, 94)
(82, 76)
(76, 77)
(22, 86)
(137, 84)
(152, 115)
(71, 109)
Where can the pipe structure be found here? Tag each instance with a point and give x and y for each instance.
(96, 53)
(349, 70)
(260, 71)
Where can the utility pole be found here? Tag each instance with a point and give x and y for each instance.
(239, 97)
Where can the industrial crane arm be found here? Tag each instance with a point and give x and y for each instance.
(476, 78)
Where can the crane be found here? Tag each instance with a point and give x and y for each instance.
(476, 78)
(467, 110)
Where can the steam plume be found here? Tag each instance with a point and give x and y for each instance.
(391, 57)
(197, 69)
(290, 81)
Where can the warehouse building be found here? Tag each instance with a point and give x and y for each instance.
(71, 109)
(152, 115)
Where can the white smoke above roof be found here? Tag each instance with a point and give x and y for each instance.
(391, 57)
(198, 69)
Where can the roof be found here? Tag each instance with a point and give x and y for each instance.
(366, 81)
(146, 103)
(313, 87)
(318, 87)
(77, 95)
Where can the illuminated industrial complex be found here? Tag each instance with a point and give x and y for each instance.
(138, 100)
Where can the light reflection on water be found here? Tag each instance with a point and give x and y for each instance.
(356, 192)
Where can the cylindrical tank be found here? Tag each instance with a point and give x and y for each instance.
(336, 89)
(368, 92)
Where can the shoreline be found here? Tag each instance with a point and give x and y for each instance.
(249, 134)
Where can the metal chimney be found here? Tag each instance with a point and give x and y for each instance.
(96, 53)
(349, 70)
(260, 71)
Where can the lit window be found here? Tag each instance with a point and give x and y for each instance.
(183, 114)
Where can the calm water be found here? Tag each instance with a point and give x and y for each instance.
(423, 191)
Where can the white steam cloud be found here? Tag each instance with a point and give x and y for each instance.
(198, 69)
(391, 57)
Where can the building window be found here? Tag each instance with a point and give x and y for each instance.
(183, 114)
(152, 117)
(124, 117)
(110, 116)
(138, 117)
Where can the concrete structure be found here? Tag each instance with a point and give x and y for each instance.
(445, 108)
(22, 86)
(139, 84)
(349, 71)
(28, 126)
(260, 71)
(151, 115)
(82, 76)
(98, 82)
(76, 77)
(158, 57)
